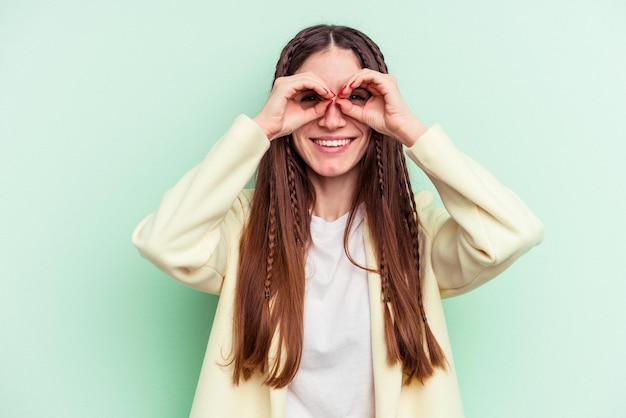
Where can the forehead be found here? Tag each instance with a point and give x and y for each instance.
(332, 64)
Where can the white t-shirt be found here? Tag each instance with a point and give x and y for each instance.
(335, 377)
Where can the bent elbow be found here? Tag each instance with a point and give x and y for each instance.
(147, 244)
(532, 234)
(525, 237)
(509, 243)
(140, 240)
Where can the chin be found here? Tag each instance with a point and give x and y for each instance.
(334, 172)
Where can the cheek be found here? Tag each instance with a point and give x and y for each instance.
(298, 140)
(364, 148)
(367, 134)
(366, 144)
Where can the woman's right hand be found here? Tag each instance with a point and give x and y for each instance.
(293, 102)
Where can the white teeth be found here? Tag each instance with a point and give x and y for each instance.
(332, 143)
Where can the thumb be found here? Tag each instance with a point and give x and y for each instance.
(349, 109)
(313, 113)
(321, 108)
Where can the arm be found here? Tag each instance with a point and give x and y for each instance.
(189, 235)
(488, 226)
(201, 217)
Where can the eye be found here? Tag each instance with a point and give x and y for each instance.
(359, 96)
(309, 98)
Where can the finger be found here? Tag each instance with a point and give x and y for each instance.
(315, 112)
(371, 116)
(299, 83)
(319, 110)
(349, 109)
(300, 114)
(373, 81)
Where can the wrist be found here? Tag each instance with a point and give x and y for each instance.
(264, 127)
(411, 132)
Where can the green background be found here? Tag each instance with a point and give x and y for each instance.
(105, 104)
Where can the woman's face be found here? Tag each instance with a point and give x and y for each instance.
(332, 145)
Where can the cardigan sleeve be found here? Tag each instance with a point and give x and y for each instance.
(190, 234)
(485, 226)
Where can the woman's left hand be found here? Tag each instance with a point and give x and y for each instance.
(384, 111)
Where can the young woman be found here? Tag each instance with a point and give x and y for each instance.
(331, 272)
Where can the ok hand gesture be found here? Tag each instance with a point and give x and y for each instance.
(285, 110)
(384, 111)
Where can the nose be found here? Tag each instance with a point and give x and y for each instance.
(333, 117)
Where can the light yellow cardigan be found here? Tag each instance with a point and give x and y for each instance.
(193, 236)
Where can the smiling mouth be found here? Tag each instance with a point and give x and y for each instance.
(332, 143)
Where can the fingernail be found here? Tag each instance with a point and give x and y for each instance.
(352, 84)
(341, 91)
(334, 94)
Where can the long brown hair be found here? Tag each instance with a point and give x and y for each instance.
(269, 304)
